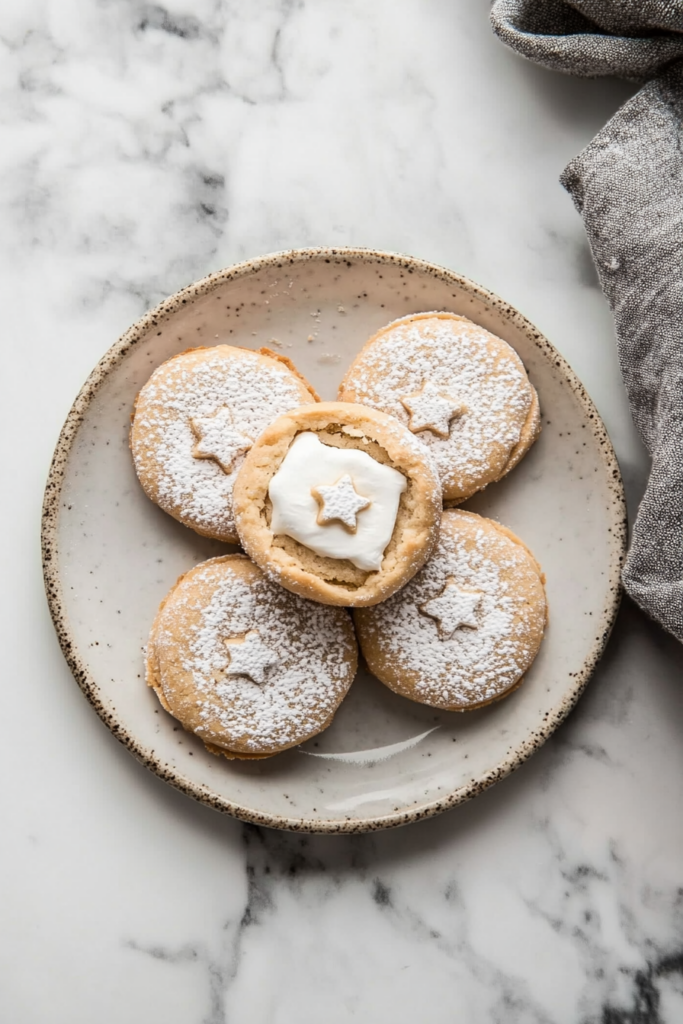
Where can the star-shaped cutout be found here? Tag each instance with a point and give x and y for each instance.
(453, 608)
(217, 439)
(249, 656)
(431, 409)
(340, 501)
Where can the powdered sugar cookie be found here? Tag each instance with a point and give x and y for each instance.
(246, 666)
(467, 627)
(338, 503)
(462, 391)
(195, 419)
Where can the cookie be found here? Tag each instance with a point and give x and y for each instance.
(195, 419)
(248, 668)
(338, 503)
(466, 629)
(461, 390)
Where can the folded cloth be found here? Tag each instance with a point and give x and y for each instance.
(628, 186)
(628, 38)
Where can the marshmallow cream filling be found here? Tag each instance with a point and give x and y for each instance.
(309, 465)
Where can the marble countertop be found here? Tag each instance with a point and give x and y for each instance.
(143, 146)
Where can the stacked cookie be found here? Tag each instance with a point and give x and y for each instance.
(339, 505)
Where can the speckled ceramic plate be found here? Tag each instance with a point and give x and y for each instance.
(110, 555)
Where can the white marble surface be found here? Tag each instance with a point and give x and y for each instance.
(142, 146)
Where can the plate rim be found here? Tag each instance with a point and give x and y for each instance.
(50, 553)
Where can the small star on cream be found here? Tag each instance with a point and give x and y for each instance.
(217, 439)
(340, 501)
(249, 656)
(431, 409)
(453, 608)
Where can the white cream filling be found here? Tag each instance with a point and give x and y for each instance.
(310, 464)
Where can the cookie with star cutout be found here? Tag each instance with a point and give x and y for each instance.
(464, 631)
(459, 389)
(194, 421)
(338, 503)
(246, 666)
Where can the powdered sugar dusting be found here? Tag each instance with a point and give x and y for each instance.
(340, 501)
(306, 678)
(450, 357)
(250, 657)
(431, 409)
(453, 608)
(252, 390)
(218, 439)
(469, 665)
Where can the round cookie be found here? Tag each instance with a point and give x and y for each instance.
(461, 390)
(248, 668)
(338, 503)
(466, 629)
(193, 422)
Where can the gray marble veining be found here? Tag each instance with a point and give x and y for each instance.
(142, 146)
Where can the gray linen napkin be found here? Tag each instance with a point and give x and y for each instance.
(628, 186)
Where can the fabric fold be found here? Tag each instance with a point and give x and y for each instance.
(579, 38)
(627, 184)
